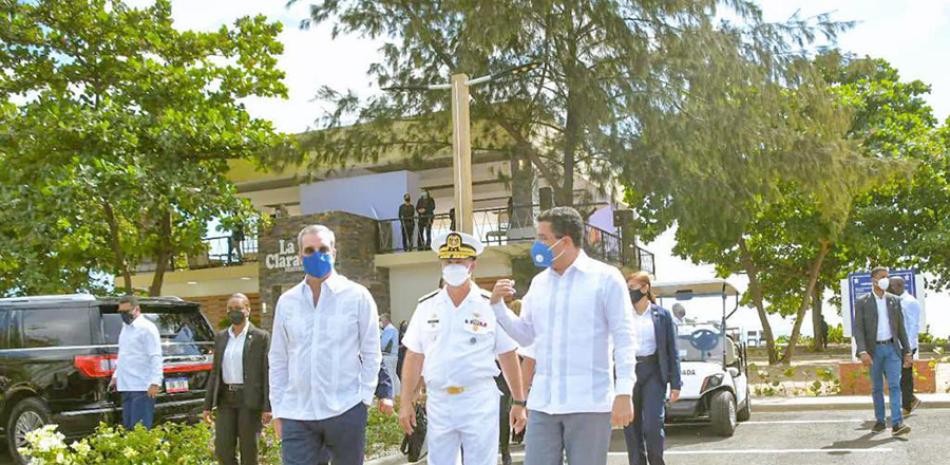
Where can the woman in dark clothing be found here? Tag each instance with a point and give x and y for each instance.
(658, 366)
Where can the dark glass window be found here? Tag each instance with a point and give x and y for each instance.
(54, 328)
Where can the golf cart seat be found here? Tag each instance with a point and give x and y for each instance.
(732, 352)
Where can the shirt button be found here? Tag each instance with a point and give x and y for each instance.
(472, 340)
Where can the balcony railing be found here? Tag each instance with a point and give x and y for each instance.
(501, 226)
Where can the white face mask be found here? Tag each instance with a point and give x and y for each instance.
(455, 275)
(883, 283)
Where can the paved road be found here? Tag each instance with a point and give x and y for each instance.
(802, 438)
(806, 438)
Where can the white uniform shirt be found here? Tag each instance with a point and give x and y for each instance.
(232, 365)
(911, 308)
(883, 321)
(140, 356)
(461, 343)
(580, 323)
(324, 357)
(646, 337)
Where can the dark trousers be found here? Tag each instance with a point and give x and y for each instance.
(504, 424)
(137, 407)
(408, 226)
(233, 425)
(344, 436)
(644, 437)
(425, 233)
(907, 386)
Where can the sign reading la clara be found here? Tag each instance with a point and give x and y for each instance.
(287, 258)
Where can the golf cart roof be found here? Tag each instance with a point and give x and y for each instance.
(689, 289)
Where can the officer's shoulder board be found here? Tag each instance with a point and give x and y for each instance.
(429, 295)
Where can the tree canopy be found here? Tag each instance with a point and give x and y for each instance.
(115, 135)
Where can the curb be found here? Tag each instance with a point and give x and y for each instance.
(793, 406)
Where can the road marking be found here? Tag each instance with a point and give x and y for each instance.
(755, 452)
(797, 422)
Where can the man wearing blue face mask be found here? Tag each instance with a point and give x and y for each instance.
(324, 359)
(574, 313)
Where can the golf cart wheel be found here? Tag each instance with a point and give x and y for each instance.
(746, 411)
(722, 411)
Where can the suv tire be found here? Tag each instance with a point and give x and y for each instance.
(27, 415)
(722, 412)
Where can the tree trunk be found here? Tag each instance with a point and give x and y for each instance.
(758, 301)
(806, 301)
(163, 255)
(816, 318)
(119, 263)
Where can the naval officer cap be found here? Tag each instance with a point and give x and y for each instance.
(454, 244)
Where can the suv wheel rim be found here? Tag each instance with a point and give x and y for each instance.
(27, 422)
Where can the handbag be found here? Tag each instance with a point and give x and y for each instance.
(413, 445)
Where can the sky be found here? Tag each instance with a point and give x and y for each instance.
(913, 35)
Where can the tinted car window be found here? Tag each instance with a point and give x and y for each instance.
(54, 327)
(183, 327)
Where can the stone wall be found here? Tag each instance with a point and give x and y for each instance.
(356, 238)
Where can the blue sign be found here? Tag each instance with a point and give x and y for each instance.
(861, 283)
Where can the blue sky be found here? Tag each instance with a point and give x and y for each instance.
(913, 35)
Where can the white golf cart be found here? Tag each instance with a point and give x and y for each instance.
(714, 366)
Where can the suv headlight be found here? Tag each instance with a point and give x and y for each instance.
(712, 382)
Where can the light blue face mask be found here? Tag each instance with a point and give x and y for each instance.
(318, 264)
(542, 256)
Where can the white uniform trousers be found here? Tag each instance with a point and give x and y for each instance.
(467, 421)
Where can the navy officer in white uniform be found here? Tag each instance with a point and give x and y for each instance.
(453, 341)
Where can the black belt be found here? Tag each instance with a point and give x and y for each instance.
(883, 343)
(647, 358)
(233, 387)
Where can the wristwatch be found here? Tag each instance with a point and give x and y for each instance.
(519, 403)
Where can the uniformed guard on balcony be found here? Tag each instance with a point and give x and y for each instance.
(452, 341)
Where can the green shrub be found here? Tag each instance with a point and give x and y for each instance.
(175, 444)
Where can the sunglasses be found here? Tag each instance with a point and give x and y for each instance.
(235, 309)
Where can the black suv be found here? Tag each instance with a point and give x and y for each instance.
(57, 355)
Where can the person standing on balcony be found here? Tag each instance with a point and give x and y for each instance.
(407, 220)
(390, 346)
(577, 305)
(234, 243)
(453, 342)
(324, 359)
(426, 208)
(238, 385)
(138, 371)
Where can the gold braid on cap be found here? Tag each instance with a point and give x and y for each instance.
(455, 248)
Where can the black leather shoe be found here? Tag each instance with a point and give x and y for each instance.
(878, 427)
(506, 459)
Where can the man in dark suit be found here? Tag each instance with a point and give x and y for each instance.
(407, 220)
(426, 208)
(238, 386)
(881, 340)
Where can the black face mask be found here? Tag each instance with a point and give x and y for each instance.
(236, 316)
(636, 295)
(127, 317)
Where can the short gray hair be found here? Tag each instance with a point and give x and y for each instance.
(242, 298)
(318, 230)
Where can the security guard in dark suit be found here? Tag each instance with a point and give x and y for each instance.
(238, 387)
